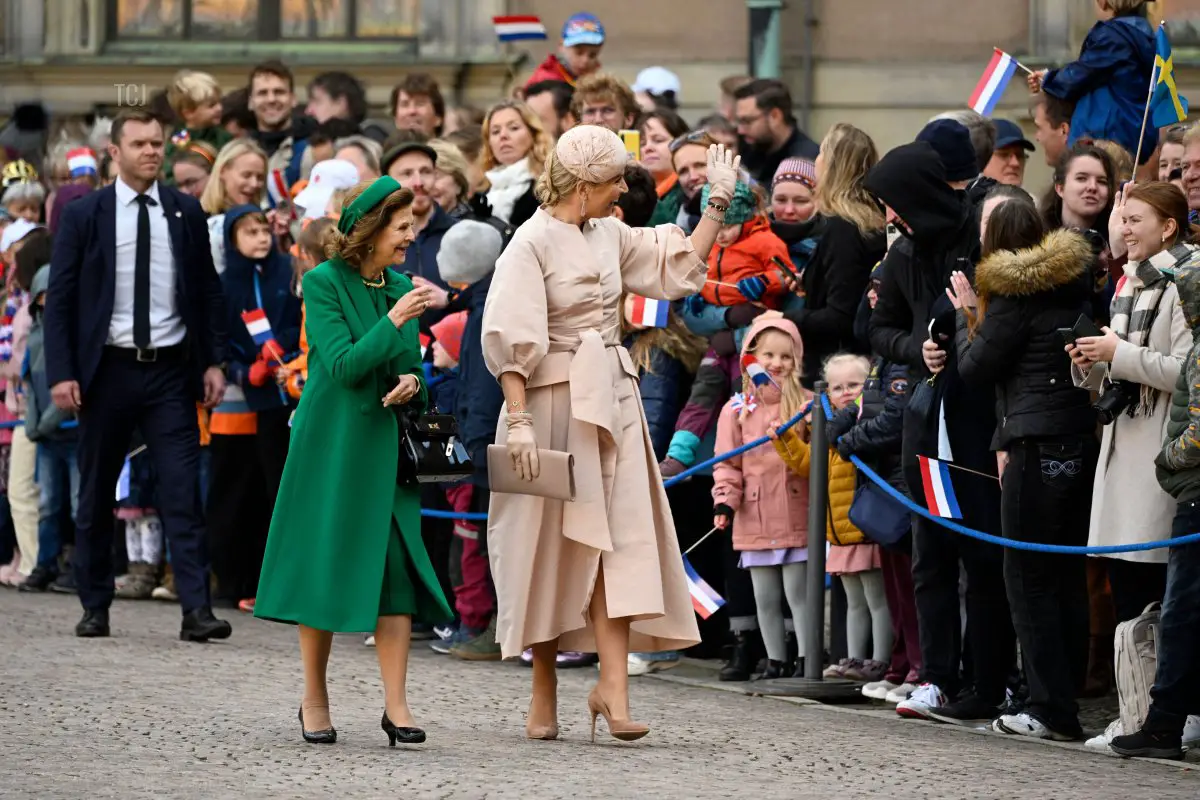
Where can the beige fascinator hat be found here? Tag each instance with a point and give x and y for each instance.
(592, 154)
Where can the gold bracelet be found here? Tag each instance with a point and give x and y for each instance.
(717, 218)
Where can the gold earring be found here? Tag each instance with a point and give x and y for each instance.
(582, 206)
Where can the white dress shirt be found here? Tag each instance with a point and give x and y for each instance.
(166, 325)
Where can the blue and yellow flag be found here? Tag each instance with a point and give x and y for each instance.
(1167, 105)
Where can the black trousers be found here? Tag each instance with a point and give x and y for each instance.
(244, 482)
(1176, 690)
(155, 399)
(1135, 585)
(1046, 498)
(992, 651)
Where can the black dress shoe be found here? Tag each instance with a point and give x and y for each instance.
(402, 735)
(199, 625)
(39, 580)
(327, 736)
(93, 625)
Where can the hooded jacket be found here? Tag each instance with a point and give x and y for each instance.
(249, 285)
(1178, 465)
(1030, 294)
(769, 501)
(43, 419)
(941, 235)
(749, 256)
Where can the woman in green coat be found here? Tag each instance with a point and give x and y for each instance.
(345, 553)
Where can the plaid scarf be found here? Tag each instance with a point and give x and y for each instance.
(1136, 306)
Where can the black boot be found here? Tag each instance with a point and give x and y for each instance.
(775, 669)
(798, 672)
(741, 659)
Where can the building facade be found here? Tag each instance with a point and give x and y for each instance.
(882, 65)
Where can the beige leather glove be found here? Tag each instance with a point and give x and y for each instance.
(723, 168)
(522, 447)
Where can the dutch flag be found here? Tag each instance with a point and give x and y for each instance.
(277, 188)
(258, 325)
(81, 161)
(993, 83)
(939, 493)
(650, 313)
(751, 367)
(704, 599)
(516, 29)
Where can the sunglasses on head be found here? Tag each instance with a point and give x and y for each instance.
(693, 137)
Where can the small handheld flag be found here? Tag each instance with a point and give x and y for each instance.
(519, 28)
(993, 83)
(758, 376)
(939, 493)
(1167, 105)
(258, 325)
(650, 313)
(81, 161)
(277, 188)
(704, 599)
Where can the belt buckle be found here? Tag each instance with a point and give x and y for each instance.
(147, 355)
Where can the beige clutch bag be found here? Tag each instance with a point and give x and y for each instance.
(555, 481)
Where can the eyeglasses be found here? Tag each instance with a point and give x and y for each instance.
(694, 137)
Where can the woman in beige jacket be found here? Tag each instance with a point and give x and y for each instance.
(602, 573)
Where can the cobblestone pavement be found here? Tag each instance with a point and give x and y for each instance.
(144, 715)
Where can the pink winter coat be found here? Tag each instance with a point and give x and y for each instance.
(10, 371)
(769, 501)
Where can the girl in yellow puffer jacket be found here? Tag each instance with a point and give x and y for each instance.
(852, 558)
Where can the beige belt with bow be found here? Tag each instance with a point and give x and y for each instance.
(589, 369)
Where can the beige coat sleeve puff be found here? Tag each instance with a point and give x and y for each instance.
(515, 333)
(658, 262)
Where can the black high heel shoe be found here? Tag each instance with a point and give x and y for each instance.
(327, 736)
(403, 735)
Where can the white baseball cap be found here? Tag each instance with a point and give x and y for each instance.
(326, 178)
(17, 230)
(657, 80)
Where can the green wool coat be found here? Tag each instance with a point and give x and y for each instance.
(340, 517)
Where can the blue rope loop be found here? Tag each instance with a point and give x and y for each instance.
(430, 513)
(1035, 547)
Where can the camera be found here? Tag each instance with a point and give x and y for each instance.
(1118, 396)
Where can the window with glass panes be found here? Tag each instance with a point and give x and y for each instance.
(264, 20)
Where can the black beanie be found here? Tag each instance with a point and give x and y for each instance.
(952, 142)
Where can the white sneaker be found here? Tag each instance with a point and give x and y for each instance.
(1025, 725)
(369, 640)
(926, 698)
(639, 664)
(900, 693)
(1100, 743)
(1191, 731)
(878, 690)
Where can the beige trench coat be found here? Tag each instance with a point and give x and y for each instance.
(1128, 505)
(553, 316)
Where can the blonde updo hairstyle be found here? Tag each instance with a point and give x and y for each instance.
(556, 182)
(355, 247)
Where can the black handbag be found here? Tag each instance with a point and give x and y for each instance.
(430, 449)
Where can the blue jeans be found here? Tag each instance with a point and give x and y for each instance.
(1176, 690)
(58, 477)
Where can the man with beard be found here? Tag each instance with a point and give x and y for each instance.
(946, 419)
(1191, 172)
(281, 132)
(551, 101)
(763, 113)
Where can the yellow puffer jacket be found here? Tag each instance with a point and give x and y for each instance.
(843, 477)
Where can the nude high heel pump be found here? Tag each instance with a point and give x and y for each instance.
(624, 729)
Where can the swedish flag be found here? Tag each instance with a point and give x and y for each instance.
(1167, 105)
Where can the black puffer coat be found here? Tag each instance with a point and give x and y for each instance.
(877, 433)
(1029, 295)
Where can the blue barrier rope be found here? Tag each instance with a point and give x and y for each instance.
(430, 513)
(1035, 547)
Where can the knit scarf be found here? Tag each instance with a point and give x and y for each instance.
(1136, 305)
(508, 185)
(12, 304)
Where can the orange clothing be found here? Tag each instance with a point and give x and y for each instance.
(666, 184)
(298, 367)
(749, 256)
(205, 434)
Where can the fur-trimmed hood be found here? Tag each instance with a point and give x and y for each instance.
(1062, 258)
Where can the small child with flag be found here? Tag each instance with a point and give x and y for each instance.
(1108, 82)
(579, 55)
(766, 503)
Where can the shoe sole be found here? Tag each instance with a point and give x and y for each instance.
(475, 656)
(1148, 752)
(962, 723)
(92, 635)
(913, 713)
(201, 638)
(1051, 736)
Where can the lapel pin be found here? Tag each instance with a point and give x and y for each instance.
(179, 213)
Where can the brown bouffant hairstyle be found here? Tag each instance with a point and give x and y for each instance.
(601, 85)
(1167, 202)
(353, 248)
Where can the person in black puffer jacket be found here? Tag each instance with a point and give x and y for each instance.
(1031, 286)
(948, 419)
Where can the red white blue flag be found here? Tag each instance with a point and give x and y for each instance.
(993, 83)
(939, 493)
(650, 313)
(258, 325)
(704, 599)
(277, 188)
(758, 375)
(519, 28)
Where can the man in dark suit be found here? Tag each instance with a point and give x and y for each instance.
(135, 336)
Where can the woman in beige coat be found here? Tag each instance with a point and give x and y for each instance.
(602, 573)
(1128, 505)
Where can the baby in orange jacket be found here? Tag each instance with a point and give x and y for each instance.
(740, 267)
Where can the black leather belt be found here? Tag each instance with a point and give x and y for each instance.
(150, 355)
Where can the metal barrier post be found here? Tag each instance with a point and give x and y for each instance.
(818, 512)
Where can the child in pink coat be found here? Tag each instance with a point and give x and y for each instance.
(767, 504)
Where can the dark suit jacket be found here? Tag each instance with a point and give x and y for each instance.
(79, 300)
